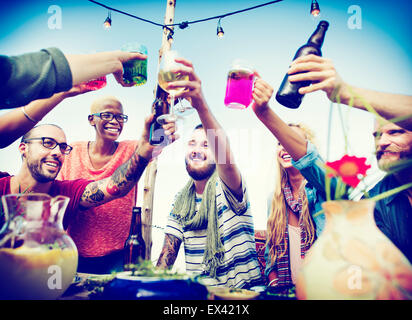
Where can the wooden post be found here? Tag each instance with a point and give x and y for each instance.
(151, 170)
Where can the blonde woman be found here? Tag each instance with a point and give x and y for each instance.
(291, 228)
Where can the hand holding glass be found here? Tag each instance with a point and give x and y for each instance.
(135, 71)
(165, 76)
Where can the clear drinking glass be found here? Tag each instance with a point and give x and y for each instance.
(165, 75)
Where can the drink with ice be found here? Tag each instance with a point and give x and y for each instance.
(135, 71)
(239, 88)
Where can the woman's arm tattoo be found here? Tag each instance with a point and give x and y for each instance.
(126, 176)
(117, 185)
(92, 193)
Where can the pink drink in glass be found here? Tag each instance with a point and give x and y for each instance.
(96, 84)
(239, 88)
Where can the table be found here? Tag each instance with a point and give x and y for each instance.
(93, 286)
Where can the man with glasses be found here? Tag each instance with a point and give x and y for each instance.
(100, 232)
(44, 149)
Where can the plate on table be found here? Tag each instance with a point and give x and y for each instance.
(161, 275)
(233, 293)
(126, 286)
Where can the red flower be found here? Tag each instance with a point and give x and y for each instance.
(348, 168)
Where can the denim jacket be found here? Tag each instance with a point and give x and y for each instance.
(311, 166)
(393, 215)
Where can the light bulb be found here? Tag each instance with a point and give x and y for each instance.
(220, 33)
(315, 9)
(108, 22)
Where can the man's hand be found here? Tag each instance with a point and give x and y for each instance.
(321, 72)
(192, 87)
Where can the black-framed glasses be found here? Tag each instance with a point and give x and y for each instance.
(108, 116)
(50, 143)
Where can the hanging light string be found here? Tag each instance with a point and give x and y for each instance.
(184, 24)
(228, 14)
(125, 13)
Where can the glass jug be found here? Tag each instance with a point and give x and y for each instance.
(38, 260)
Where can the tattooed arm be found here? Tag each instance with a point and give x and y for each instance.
(169, 252)
(128, 174)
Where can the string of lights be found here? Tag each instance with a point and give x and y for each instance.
(314, 11)
(181, 25)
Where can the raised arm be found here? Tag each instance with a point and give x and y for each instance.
(90, 66)
(128, 174)
(39, 75)
(216, 136)
(324, 76)
(293, 143)
(18, 122)
(169, 251)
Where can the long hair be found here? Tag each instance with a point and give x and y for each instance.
(277, 221)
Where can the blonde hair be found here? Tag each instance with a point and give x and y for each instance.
(96, 104)
(277, 221)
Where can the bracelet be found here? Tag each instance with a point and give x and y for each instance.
(27, 116)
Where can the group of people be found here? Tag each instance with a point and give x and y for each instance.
(211, 214)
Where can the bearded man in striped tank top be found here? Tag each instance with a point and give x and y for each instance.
(211, 214)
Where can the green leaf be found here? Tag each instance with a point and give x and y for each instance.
(391, 192)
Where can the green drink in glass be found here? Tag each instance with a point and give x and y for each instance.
(135, 71)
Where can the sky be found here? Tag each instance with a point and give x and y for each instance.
(369, 43)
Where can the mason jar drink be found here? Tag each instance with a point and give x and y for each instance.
(135, 71)
(239, 86)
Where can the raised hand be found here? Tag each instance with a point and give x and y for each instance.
(124, 57)
(321, 72)
(262, 92)
(193, 87)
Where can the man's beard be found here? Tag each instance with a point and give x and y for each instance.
(38, 175)
(404, 160)
(202, 173)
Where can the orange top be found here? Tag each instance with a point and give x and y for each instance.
(101, 230)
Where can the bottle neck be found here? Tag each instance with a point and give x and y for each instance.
(136, 225)
(317, 37)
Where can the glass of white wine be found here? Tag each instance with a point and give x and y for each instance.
(165, 75)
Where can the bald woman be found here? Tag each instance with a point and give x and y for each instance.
(100, 233)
